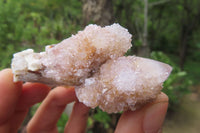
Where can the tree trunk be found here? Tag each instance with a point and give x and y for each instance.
(189, 25)
(144, 50)
(97, 11)
(183, 47)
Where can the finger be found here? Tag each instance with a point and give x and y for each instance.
(147, 119)
(78, 117)
(32, 93)
(9, 95)
(155, 115)
(49, 112)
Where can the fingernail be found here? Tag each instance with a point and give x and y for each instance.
(154, 117)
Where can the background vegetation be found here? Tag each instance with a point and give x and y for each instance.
(165, 30)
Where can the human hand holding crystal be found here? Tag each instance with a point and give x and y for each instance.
(17, 98)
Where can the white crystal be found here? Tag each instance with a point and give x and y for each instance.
(92, 61)
(124, 83)
(74, 59)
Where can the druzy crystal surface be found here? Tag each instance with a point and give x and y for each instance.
(93, 62)
(74, 59)
(124, 83)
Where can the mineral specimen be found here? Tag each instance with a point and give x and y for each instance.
(124, 83)
(74, 59)
(93, 62)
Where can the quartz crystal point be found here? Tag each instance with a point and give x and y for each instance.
(74, 59)
(124, 83)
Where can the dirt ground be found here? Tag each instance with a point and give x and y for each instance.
(187, 118)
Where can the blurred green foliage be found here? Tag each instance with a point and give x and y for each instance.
(37, 23)
(177, 84)
(102, 117)
(62, 122)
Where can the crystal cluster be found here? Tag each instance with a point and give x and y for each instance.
(74, 59)
(124, 83)
(93, 62)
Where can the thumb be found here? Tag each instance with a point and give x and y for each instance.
(148, 119)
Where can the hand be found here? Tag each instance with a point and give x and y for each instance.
(17, 98)
(148, 119)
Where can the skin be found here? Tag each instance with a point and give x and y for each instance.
(17, 98)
